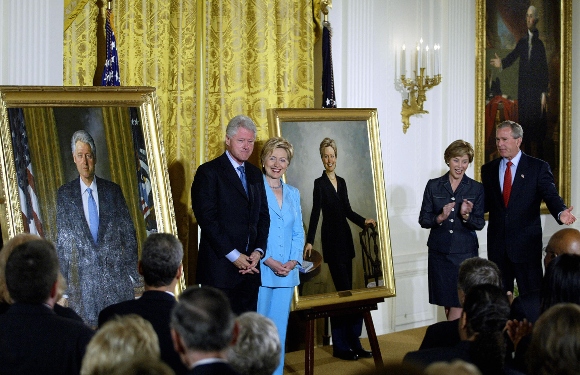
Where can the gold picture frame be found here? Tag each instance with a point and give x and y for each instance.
(112, 115)
(495, 87)
(359, 161)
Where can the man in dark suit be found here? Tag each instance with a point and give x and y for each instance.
(33, 339)
(202, 329)
(230, 205)
(515, 184)
(96, 241)
(161, 268)
(532, 83)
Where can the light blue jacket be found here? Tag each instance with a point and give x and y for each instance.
(286, 236)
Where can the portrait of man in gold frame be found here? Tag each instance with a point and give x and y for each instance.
(44, 118)
(359, 162)
(500, 26)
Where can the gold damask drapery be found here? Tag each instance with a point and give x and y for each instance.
(209, 61)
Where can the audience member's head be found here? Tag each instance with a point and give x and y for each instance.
(555, 345)
(561, 282)
(4, 254)
(485, 313)
(32, 273)
(457, 367)
(161, 257)
(143, 365)
(117, 341)
(564, 241)
(476, 271)
(202, 324)
(257, 347)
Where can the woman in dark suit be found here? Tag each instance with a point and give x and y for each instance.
(331, 196)
(453, 209)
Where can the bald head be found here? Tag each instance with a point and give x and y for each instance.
(564, 241)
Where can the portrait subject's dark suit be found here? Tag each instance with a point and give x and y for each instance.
(155, 307)
(514, 234)
(98, 275)
(532, 82)
(229, 219)
(34, 340)
(337, 249)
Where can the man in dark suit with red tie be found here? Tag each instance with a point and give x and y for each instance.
(229, 203)
(515, 185)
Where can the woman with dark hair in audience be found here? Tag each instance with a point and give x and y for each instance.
(485, 313)
(561, 284)
(554, 348)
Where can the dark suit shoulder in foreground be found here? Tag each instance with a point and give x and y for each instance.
(34, 340)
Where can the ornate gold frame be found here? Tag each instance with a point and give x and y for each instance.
(301, 122)
(113, 99)
(565, 110)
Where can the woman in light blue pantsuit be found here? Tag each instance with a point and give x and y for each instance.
(279, 268)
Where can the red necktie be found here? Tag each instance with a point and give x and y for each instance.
(507, 183)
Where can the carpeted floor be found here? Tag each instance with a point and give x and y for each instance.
(394, 346)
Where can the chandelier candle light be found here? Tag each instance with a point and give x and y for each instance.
(426, 67)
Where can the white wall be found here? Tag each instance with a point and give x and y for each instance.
(31, 49)
(366, 36)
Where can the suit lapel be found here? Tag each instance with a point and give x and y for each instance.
(272, 201)
(519, 177)
(79, 209)
(232, 175)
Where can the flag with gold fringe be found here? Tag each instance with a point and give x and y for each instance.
(328, 96)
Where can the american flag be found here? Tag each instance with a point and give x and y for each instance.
(328, 97)
(30, 210)
(143, 180)
(111, 75)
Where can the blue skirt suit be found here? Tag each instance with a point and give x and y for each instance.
(453, 240)
(285, 243)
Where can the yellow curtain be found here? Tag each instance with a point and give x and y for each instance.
(209, 61)
(48, 176)
(258, 55)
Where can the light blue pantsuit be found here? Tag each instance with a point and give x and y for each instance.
(285, 243)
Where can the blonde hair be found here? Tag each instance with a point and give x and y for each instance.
(457, 367)
(118, 341)
(274, 143)
(327, 142)
(7, 249)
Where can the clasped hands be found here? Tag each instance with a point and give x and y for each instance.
(466, 208)
(247, 264)
(280, 269)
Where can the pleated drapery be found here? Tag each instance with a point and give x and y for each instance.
(209, 61)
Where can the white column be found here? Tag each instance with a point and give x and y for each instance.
(31, 49)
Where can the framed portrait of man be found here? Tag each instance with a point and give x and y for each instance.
(84, 167)
(523, 74)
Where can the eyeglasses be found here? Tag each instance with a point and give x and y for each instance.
(549, 254)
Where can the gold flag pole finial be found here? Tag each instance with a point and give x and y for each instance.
(325, 7)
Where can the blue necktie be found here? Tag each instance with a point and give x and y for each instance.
(243, 177)
(93, 215)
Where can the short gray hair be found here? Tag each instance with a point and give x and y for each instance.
(240, 121)
(477, 271)
(517, 130)
(257, 348)
(85, 137)
(204, 319)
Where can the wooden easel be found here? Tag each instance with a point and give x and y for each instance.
(361, 307)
